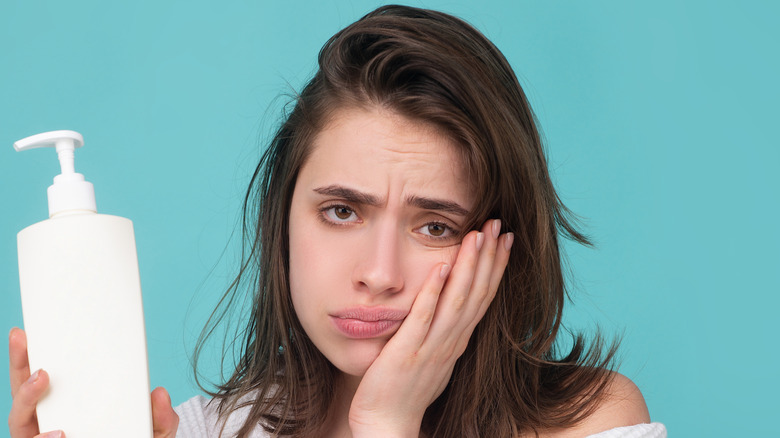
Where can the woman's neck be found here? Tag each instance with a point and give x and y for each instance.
(337, 424)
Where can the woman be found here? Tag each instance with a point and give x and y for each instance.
(404, 261)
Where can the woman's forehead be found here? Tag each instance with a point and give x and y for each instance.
(376, 148)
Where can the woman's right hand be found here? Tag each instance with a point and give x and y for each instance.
(416, 364)
(27, 389)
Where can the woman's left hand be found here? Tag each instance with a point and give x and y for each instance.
(415, 365)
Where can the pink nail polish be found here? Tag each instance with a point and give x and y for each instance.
(510, 238)
(34, 377)
(496, 228)
(480, 240)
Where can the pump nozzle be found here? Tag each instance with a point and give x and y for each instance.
(70, 192)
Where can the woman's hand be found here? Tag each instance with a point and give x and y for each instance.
(164, 420)
(416, 364)
(27, 389)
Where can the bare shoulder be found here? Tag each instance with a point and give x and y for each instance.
(623, 405)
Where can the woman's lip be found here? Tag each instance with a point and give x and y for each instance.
(359, 329)
(371, 314)
(367, 322)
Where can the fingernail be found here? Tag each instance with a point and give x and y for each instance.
(510, 238)
(496, 228)
(54, 434)
(480, 240)
(445, 270)
(34, 377)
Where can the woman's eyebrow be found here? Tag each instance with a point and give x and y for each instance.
(350, 195)
(436, 205)
(421, 202)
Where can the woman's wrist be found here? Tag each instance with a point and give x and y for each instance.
(408, 429)
(384, 433)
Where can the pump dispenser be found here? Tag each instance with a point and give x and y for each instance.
(82, 308)
(70, 192)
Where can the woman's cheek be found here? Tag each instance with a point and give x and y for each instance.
(423, 263)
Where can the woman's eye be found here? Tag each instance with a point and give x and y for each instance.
(436, 229)
(340, 213)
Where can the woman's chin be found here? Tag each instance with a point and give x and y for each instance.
(356, 363)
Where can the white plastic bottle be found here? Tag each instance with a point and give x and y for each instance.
(83, 314)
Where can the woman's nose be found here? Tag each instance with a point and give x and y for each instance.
(378, 261)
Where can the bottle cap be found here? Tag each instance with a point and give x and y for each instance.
(70, 192)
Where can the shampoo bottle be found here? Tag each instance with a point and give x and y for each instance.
(81, 302)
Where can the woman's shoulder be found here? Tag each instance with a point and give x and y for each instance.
(199, 418)
(623, 405)
(622, 412)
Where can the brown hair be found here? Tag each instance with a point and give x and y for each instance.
(434, 68)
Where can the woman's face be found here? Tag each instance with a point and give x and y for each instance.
(379, 202)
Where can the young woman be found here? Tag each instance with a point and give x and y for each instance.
(404, 261)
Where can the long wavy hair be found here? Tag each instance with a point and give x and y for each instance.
(437, 69)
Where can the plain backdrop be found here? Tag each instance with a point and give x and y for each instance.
(660, 120)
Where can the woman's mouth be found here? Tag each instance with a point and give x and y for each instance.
(365, 323)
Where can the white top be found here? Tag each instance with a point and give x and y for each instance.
(199, 419)
(647, 430)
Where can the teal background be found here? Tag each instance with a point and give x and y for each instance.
(660, 119)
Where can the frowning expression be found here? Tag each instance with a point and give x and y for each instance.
(380, 201)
